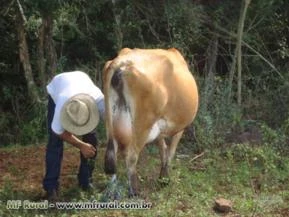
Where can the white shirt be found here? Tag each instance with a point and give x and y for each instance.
(67, 84)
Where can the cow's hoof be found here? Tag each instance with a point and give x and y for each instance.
(164, 172)
(132, 193)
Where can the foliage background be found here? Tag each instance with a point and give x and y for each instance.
(82, 35)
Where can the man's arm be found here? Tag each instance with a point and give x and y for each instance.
(86, 149)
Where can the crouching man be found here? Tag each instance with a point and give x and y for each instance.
(75, 106)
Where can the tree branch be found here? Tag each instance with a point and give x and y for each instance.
(196, 157)
(8, 8)
(22, 15)
(232, 35)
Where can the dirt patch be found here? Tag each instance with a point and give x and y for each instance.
(284, 212)
(23, 168)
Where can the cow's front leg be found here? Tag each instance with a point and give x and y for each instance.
(133, 182)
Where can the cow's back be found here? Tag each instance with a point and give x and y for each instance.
(171, 93)
(159, 89)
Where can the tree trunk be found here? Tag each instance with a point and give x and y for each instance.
(24, 55)
(212, 54)
(50, 52)
(238, 55)
(239, 44)
(117, 26)
(47, 57)
(40, 56)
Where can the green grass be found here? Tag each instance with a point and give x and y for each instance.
(255, 179)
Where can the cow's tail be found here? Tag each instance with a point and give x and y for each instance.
(110, 155)
(112, 80)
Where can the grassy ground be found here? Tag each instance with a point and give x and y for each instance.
(255, 179)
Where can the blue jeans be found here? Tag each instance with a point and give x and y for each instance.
(54, 154)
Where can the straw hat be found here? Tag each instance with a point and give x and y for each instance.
(79, 115)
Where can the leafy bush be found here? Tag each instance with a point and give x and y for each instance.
(277, 138)
(34, 130)
(216, 117)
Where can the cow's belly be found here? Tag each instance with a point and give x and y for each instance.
(160, 127)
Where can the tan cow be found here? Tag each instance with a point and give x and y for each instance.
(150, 94)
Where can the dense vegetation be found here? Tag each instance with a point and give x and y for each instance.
(238, 51)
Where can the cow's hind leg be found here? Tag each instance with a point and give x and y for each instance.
(167, 153)
(131, 162)
(110, 158)
(173, 146)
(163, 154)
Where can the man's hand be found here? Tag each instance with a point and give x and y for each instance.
(88, 150)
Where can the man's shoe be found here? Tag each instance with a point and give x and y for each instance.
(51, 195)
(88, 187)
